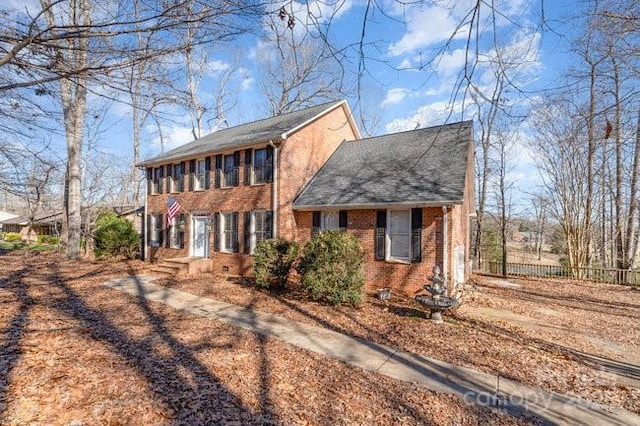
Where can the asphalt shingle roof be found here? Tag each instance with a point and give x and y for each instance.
(426, 166)
(243, 135)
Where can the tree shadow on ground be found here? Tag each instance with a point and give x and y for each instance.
(194, 398)
(12, 334)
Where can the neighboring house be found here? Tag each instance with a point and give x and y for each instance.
(5, 216)
(42, 224)
(406, 196)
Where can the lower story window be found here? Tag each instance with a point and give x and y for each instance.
(229, 228)
(399, 235)
(176, 233)
(330, 221)
(156, 230)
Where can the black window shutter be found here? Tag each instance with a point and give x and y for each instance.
(235, 243)
(315, 224)
(149, 179)
(247, 232)
(169, 171)
(268, 223)
(167, 242)
(162, 230)
(183, 171)
(207, 170)
(342, 220)
(218, 170)
(216, 232)
(416, 235)
(181, 219)
(269, 171)
(381, 229)
(248, 154)
(236, 168)
(192, 174)
(160, 180)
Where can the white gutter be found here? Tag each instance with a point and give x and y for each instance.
(274, 189)
(445, 243)
(377, 206)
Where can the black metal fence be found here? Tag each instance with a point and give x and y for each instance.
(604, 275)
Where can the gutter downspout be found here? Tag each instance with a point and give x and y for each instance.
(145, 221)
(445, 243)
(274, 190)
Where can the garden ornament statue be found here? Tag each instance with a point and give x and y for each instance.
(438, 301)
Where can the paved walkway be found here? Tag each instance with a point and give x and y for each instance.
(432, 374)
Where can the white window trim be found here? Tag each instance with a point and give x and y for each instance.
(252, 228)
(323, 217)
(155, 230)
(199, 183)
(253, 166)
(388, 255)
(221, 232)
(223, 178)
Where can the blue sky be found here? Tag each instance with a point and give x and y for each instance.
(415, 53)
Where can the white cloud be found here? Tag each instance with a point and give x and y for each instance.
(395, 96)
(247, 83)
(451, 62)
(427, 115)
(426, 28)
(216, 66)
(172, 136)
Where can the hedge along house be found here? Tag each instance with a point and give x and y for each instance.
(406, 196)
(236, 187)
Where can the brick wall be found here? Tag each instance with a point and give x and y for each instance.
(403, 277)
(302, 155)
(299, 158)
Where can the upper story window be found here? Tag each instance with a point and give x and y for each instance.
(230, 168)
(199, 175)
(175, 176)
(262, 166)
(156, 183)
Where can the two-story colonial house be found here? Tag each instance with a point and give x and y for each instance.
(406, 196)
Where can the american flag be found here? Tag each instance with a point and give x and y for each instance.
(173, 208)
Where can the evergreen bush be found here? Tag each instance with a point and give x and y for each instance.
(331, 268)
(272, 262)
(115, 236)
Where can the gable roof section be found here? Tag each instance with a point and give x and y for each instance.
(420, 167)
(274, 128)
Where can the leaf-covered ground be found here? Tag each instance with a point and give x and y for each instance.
(73, 351)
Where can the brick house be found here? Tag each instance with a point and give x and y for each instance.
(292, 176)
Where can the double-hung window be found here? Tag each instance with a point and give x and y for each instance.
(177, 178)
(176, 233)
(229, 232)
(199, 175)
(157, 176)
(399, 235)
(329, 221)
(262, 166)
(156, 230)
(230, 170)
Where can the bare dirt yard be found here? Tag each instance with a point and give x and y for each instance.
(73, 351)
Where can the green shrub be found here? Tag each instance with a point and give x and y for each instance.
(331, 268)
(12, 237)
(115, 236)
(272, 262)
(48, 239)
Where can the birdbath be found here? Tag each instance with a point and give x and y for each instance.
(438, 301)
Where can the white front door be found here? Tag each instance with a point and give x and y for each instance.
(199, 237)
